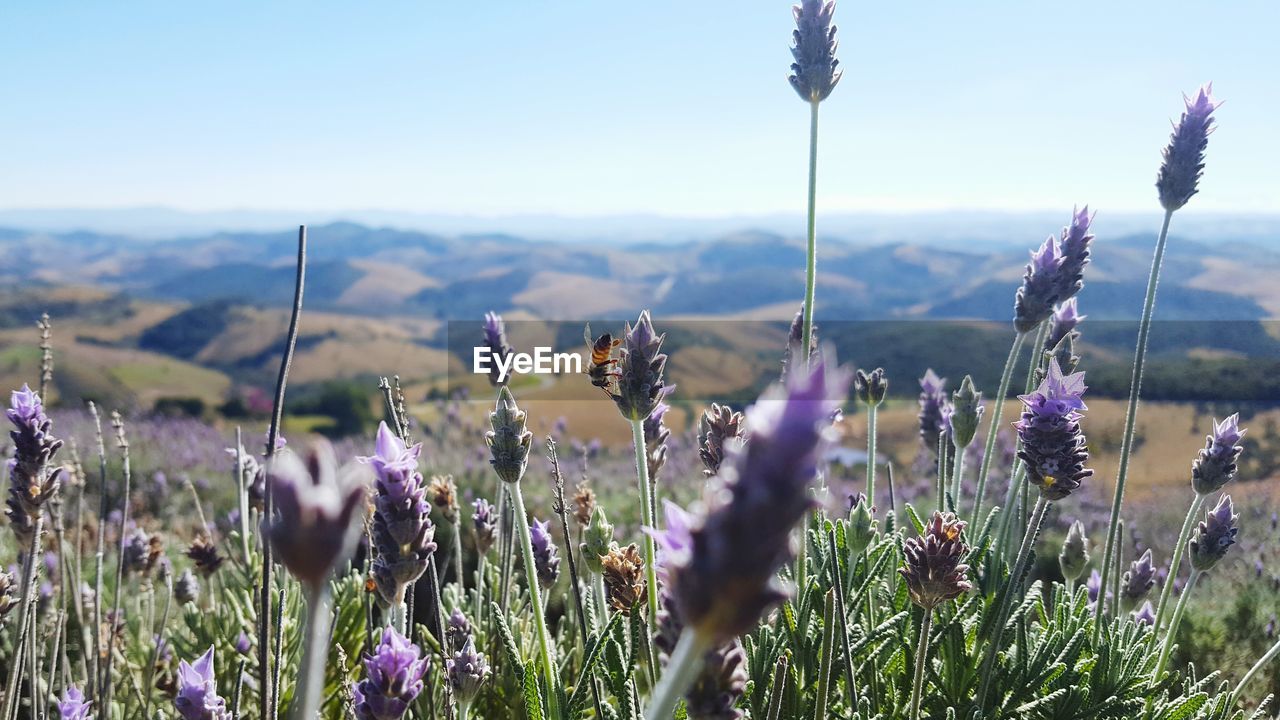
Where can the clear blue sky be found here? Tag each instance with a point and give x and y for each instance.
(677, 108)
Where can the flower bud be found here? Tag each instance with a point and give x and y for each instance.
(596, 539)
(1074, 557)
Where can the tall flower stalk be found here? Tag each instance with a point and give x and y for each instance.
(871, 389)
(1176, 182)
(814, 75)
(934, 571)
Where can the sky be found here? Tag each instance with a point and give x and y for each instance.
(592, 109)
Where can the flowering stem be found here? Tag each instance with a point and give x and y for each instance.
(535, 599)
(1176, 560)
(475, 611)
(1167, 646)
(1257, 667)
(602, 606)
(838, 586)
(957, 472)
(30, 574)
(811, 269)
(988, 450)
(825, 659)
(647, 511)
(1131, 413)
(682, 669)
(922, 657)
(457, 555)
(242, 498)
(1011, 589)
(871, 454)
(315, 652)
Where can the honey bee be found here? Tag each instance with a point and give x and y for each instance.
(603, 366)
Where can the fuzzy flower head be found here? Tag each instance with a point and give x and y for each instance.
(1215, 465)
(719, 686)
(1074, 246)
(187, 587)
(871, 387)
(656, 435)
(320, 508)
(795, 338)
(966, 413)
(495, 339)
(724, 580)
(816, 71)
(73, 705)
(393, 678)
(934, 567)
(1074, 556)
(933, 408)
(1137, 581)
(640, 388)
(32, 480)
(719, 429)
(623, 573)
(1179, 176)
(1215, 534)
(403, 534)
(1040, 289)
(862, 527)
(584, 503)
(466, 671)
(393, 462)
(510, 440)
(1053, 446)
(197, 697)
(1145, 615)
(546, 557)
(597, 539)
(458, 630)
(484, 519)
(1066, 318)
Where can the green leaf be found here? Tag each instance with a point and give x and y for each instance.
(532, 698)
(595, 648)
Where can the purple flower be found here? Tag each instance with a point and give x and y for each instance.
(198, 690)
(1064, 322)
(243, 645)
(31, 480)
(933, 409)
(720, 685)
(1094, 586)
(795, 337)
(1215, 534)
(815, 71)
(458, 630)
(466, 671)
(725, 580)
(186, 588)
(1145, 615)
(1074, 247)
(1053, 447)
(934, 566)
(718, 429)
(319, 510)
(403, 534)
(73, 705)
(870, 387)
(495, 339)
(639, 388)
(1137, 581)
(484, 519)
(1039, 293)
(393, 678)
(1183, 165)
(509, 440)
(546, 558)
(1215, 465)
(655, 440)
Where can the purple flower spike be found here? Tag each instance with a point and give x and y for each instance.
(198, 690)
(815, 72)
(485, 520)
(1040, 289)
(320, 507)
(1053, 446)
(725, 581)
(1074, 247)
(1215, 534)
(73, 705)
(1145, 615)
(466, 671)
(1215, 465)
(1064, 322)
(393, 679)
(546, 558)
(1183, 165)
(32, 480)
(403, 534)
(495, 338)
(639, 386)
(655, 440)
(933, 409)
(1137, 581)
(243, 645)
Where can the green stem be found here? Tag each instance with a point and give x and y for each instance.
(871, 454)
(602, 604)
(1257, 667)
(315, 652)
(1006, 598)
(922, 657)
(811, 269)
(838, 586)
(682, 669)
(535, 600)
(1131, 413)
(956, 475)
(1176, 560)
(30, 579)
(647, 511)
(1167, 646)
(824, 660)
(1006, 377)
(476, 607)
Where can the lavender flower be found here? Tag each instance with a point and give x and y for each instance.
(467, 671)
(1094, 586)
(640, 387)
(872, 387)
(623, 573)
(934, 566)
(73, 705)
(933, 402)
(719, 429)
(720, 685)
(1040, 289)
(443, 495)
(862, 526)
(1074, 556)
(31, 483)
(966, 413)
(1137, 581)
(1063, 324)
(795, 338)
(495, 339)
(510, 440)
(484, 519)
(1145, 615)
(1053, 446)
(458, 630)
(198, 690)
(243, 644)
(186, 588)
(546, 558)
(1183, 165)
(204, 554)
(584, 503)
(655, 440)
(815, 71)
(1215, 465)
(403, 534)
(1215, 534)
(1075, 252)
(319, 509)
(8, 601)
(724, 580)
(393, 679)
(596, 540)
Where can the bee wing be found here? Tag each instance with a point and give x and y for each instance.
(586, 335)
